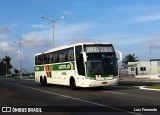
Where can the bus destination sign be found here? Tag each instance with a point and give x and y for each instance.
(99, 49)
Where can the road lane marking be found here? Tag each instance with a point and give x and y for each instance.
(90, 102)
(114, 92)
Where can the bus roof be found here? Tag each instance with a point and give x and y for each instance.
(72, 45)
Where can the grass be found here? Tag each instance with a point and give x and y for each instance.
(133, 84)
(157, 86)
(154, 86)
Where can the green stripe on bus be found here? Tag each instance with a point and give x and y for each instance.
(39, 68)
(55, 67)
(64, 66)
(50, 74)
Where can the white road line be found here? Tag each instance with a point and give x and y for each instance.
(114, 92)
(94, 103)
(143, 87)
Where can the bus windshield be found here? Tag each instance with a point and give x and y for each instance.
(101, 63)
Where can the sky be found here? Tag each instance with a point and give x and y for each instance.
(132, 26)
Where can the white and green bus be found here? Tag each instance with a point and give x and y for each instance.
(78, 65)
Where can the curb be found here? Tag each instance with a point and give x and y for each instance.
(129, 87)
(139, 87)
(139, 81)
(143, 87)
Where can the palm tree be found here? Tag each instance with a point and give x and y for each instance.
(129, 58)
(7, 60)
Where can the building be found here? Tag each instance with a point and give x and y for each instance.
(144, 69)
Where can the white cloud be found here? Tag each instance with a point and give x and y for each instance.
(146, 18)
(6, 32)
(39, 25)
(3, 37)
(63, 33)
(79, 32)
(67, 13)
(5, 47)
(4, 29)
(120, 39)
(153, 41)
(81, 39)
(14, 25)
(37, 39)
(18, 54)
(72, 30)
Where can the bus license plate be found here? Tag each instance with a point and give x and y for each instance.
(104, 82)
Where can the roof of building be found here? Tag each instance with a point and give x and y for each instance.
(156, 59)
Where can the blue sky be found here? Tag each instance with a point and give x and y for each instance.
(131, 25)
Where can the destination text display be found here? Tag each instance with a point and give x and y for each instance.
(99, 49)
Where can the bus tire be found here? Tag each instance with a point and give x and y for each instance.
(45, 81)
(73, 83)
(41, 80)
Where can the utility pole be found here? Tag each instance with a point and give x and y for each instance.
(150, 49)
(150, 53)
(20, 44)
(52, 23)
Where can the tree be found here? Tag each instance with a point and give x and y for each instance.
(3, 63)
(2, 67)
(129, 58)
(16, 71)
(7, 59)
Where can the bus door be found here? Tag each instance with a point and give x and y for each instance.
(80, 81)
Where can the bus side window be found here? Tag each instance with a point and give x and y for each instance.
(40, 60)
(55, 57)
(36, 60)
(66, 55)
(70, 54)
(62, 55)
(79, 60)
(50, 58)
(44, 59)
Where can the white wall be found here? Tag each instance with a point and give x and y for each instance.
(151, 68)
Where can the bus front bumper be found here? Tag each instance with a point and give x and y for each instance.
(97, 83)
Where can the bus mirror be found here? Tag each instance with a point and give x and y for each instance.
(120, 55)
(84, 56)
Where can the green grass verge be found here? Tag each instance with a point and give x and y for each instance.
(136, 84)
(153, 86)
(133, 84)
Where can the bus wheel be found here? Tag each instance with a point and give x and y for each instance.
(45, 82)
(41, 80)
(73, 84)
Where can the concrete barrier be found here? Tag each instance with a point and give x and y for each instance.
(148, 76)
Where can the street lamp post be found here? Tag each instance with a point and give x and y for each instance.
(52, 23)
(20, 43)
(150, 51)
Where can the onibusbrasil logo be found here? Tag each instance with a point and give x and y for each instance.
(21, 109)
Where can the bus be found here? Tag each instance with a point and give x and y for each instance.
(78, 65)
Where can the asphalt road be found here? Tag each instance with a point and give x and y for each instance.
(117, 100)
